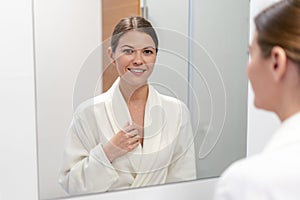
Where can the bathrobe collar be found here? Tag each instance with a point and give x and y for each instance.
(141, 158)
(287, 134)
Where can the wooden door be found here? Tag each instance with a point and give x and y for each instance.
(112, 12)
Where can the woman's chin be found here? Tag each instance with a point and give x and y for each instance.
(132, 80)
(260, 105)
(257, 104)
(135, 81)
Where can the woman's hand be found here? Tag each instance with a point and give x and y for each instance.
(123, 142)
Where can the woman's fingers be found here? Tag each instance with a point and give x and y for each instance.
(133, 146)
(133, 133)
(133, 140)
(130, 128)
(122, 143)
(124, 139)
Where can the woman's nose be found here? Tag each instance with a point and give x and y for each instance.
(138, 59)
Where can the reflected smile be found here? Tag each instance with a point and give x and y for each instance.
(136, 70)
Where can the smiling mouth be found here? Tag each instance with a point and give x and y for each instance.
(136, 70)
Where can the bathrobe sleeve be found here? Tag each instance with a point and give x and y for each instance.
(85, 166)
(183, 166)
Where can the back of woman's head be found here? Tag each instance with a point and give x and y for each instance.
(279, 25)
(132, 23)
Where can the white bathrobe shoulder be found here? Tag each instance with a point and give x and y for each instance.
(167, 154)
(273, 174)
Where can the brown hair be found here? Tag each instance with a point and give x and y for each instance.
(279, 25)
(132, 23)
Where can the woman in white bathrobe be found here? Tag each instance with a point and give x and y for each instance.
(274, 73)
(131, 135)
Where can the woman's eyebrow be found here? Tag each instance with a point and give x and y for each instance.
(149, 47)
(127, 46)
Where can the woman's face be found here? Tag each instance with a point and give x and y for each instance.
(260, 76)
(135, 57)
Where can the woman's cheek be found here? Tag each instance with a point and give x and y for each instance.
(122, 65)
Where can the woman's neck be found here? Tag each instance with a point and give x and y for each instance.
(289, 110)
(133, 93)
(289, 105)
(289, 93)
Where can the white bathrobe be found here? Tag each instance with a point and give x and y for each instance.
(273, 174)
(167, 154)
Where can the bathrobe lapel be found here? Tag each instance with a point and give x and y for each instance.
(141, 159)
(153, 123)
(119, 117)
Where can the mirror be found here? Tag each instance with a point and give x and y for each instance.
(199, 62)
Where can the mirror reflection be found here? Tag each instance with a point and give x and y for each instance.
(131, 135)
(131, 103)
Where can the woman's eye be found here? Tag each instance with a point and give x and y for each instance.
(128, 51)
(148, 52)
(249, 54)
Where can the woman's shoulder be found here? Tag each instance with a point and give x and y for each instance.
(171, 100)
(242, 173)
(91, 103)
(175, 106)
(256, 169)
(174, 103)
(259, 175)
